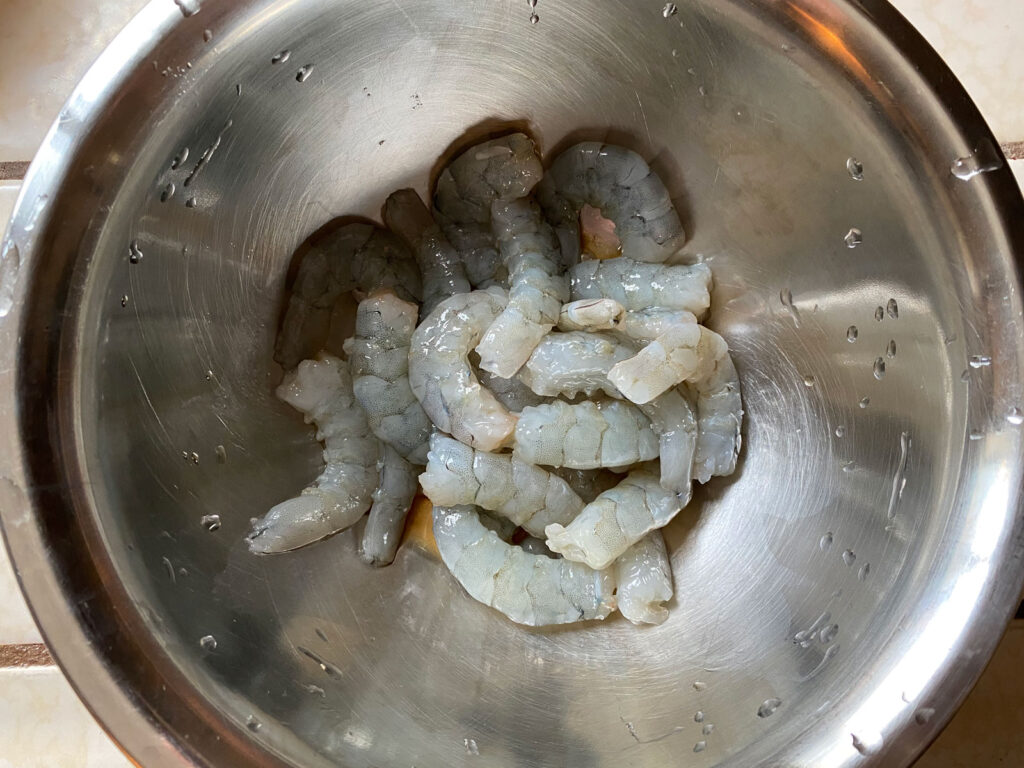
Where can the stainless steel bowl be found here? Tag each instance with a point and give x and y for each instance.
(836, 598)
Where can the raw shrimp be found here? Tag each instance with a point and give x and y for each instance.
(719, 419)
(535, 590)
(441, 375)
(499, 170)
(639, 286)
(378, 356)
(615, 520)
(676, 427)
(529, 251)
(648, 324)
(588, 483)
(443, 271)
(356, 256)
(570, 363)
(510, 392)
(622, 186)
(527, 495)
(644, 577)
(322, 390)
(590, 315)
(586, 435)
(391, 503)
(684, 353)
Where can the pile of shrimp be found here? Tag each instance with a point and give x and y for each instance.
(554, 405)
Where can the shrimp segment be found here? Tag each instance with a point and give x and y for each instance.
(685, 353)
(378, 355)
(391, 503)
(676, 427)
(615, 520)
(590, 315)
(535, 590)
(652, 322)
(587, 435)
(527, 495)
(719, 419)
(322, 390)
(443, 271)
(442, 378)
(356, 256)
(530, 252)
(617, 181)
(510, 392)
(644, 577)
(639, 286)
(499, 170)
(570, 363)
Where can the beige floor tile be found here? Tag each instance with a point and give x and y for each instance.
(45, 48)
(44, 725)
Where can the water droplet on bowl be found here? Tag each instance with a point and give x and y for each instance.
(124, 303)
(855, 168)
(253, 724)
(808, 381)
(698, 716)
(180, 158)
(304, 72)
(1015, 416)
(868, 744)
(892, 309)
(849, 557)
(840, 431)
(864, 402)
(700, 746)
(826, 542)
(471, 747)
(768, 707)
(134, 252)
(670, 9)
(879, 368)
(167, 193)
(699, 686)
(865, 569)
(207, 35)
(187, 7)
(534, 18)
(707, 729)
(10, 265)
(852, 333)
(983, 159)
(208, 643)
(786, 297)
(853, 238)
(221, 454)
(923, 715)
(281, 57)
(879, 313)
(210, 522)
(890, 351)
(979, 361)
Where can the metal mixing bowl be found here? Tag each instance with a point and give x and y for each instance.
(836, 598)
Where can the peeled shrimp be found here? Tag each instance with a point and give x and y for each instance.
(615, 520)
(499, 170)
(639, 286)
(356, 256)
(719, 419)
(378, 355)
(441, 375)
(527, 495)
(537, 288)
(684, 353)
(588, 483)
(535, 590)
(391, 503)
(676, 427)
(652, 322)
(322, 390)
(590, 315)
(644, 577)
(570, 363)
(586, 435)
(443, 271)
(617, 181)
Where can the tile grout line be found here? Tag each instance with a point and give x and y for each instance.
(25, 655)
(13, 171)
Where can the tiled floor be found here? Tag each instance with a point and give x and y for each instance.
(45, 46)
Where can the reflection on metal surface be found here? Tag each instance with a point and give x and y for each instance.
(874, 512)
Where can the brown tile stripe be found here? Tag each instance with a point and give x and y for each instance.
(13, 170)
(1013, 150)
(25, 655)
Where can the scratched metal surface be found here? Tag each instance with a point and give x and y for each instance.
(835, 599)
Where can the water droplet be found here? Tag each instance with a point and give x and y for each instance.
(983, 159)
(849, 466)
(828, 634)
(965, 375)
(187, 7)
(124, 303)
(169, 567)
(700, 746)
(670, 9)
(238, 89)
(853, 238)
(304, 72)
(699, 686)
(191, 202)
(855, 168)
(207, 35)
(868, 744)
(698, 716)
(221, 453)
(879, 368)
(37, 210)
(864, 402)
(852, 333)
(281, 58)
(532, 3)
(316, 689)
(786, 297)
(879, 313)
(979, 361)
(208, 643)
(321, 634)
(134, 252)
(892, 309)
(190, 456)
(899, 479)
(976, 434)
(840, 431)
(253, 724)
(534, 18)
(210, 522)
(10, 265)
(849, 557)
(865, 569)
(808, 381)
(1015, 416)
(167, 193)
(826, 542)
(768, 707)
(471, 747)
(890, 351)
(707, 729)
(923, 715)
